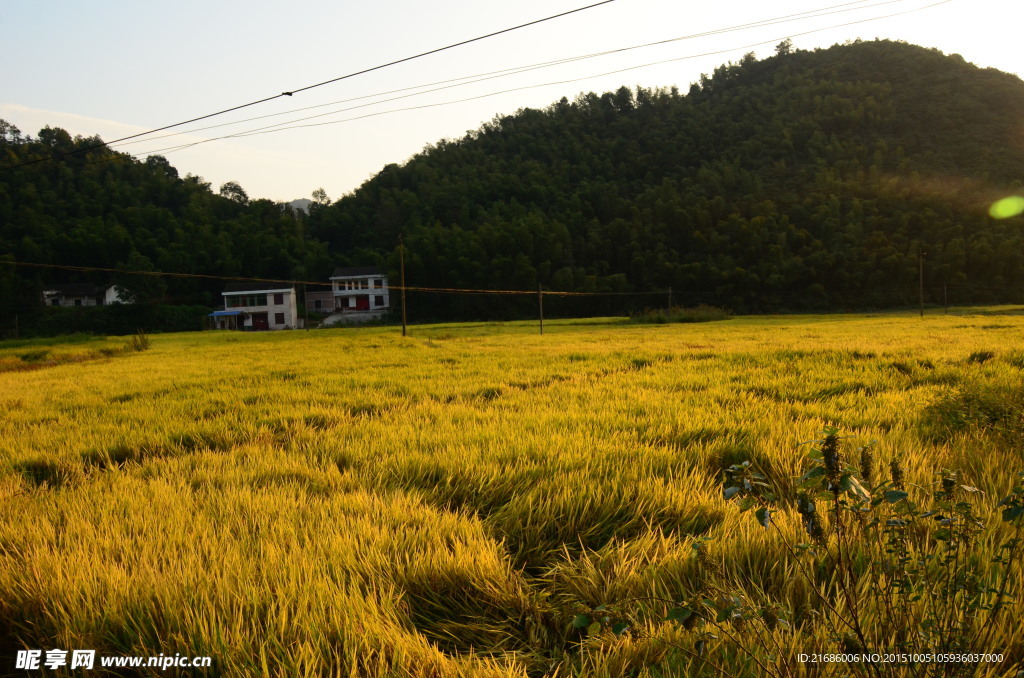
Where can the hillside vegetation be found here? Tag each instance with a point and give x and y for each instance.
(804, 180)
(106, 209)
(808, 179)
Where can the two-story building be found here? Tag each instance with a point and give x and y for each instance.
(257, 306)
(360, 292)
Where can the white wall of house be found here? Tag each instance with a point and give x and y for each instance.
(280, 307)
(103, 297)
(61, 300)
(115, 295)
(347, 289)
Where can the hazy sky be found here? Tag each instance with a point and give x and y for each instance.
(118, 67)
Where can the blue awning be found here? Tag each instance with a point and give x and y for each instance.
(218, 314)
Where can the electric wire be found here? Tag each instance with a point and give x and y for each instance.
(678, 293)
(450, 290)
(278, 127)
(309, 87)
(516, 70)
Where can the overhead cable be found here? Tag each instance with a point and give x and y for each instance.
(277, 127)
(517, 70)
(309, 87)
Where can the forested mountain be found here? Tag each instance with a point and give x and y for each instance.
(107, 210)
(806, 180)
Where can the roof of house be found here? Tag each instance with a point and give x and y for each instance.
(357, 270)
(256, 287)
(77, 289)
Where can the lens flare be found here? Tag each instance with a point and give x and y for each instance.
(1007, 207)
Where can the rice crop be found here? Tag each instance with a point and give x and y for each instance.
(349, 502)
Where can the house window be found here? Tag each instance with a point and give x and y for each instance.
(317, 303)
(279, 318)
(78, 302)
(378, 300)
(278, 298)
(55, 301)
(247, 300)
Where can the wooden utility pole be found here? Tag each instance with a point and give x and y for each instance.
(401, 260)
(540, 306)
(305, 303)
(670, 300)
(945, 300)
(920, 273)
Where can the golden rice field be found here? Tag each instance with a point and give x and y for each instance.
(350, 502)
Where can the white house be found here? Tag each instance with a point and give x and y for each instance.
(360, 293)
(257, 306)
(84, 294)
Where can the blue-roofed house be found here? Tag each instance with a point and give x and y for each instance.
(257, 306)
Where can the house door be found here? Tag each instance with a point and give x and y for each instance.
(260, 321)
(363, 303)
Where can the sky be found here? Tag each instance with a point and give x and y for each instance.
(120, 67)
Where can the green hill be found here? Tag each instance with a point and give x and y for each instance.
(807, 180)
(102, 209)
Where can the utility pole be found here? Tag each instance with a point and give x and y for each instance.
(945, 300)
(401, 260)
(920, 273)
(305, 303)
(540, 305)
(670, 300)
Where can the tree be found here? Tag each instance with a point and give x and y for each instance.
(233, 191)
(56, 139)
(320, 197)
(9, 133)
(160, 164)
(141, 288)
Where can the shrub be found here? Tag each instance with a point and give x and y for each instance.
(139, 342)
(886, 574)
(695, 314)
(34, 356)
(981, 409)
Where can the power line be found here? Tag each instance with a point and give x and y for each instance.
(457, 290)
(447, 290)
(278, 127)
(516, 70)
(502, 73)
(481, 77)
(309, 87)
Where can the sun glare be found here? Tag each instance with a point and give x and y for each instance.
(1007, 207)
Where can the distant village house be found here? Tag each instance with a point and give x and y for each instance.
(84, 294)
(257, 306)
(358, 294)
